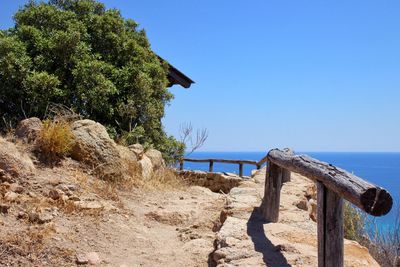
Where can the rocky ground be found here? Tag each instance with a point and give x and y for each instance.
(245, 240)
(63, 214)
(101, 225)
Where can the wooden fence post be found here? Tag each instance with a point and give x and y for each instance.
(286, 173)
(211, 166)
(181, 165)
(330, 227)
(272, 193)
(240, 169)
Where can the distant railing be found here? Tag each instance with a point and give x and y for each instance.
(258, 164)
(333, 185)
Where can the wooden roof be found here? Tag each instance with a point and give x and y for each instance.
(175, 76)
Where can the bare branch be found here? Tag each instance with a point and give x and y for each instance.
(186, 133)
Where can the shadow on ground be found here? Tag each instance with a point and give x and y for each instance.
(255, 229)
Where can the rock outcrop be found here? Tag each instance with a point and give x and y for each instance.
(12, 161)
(29, 129)
(94, 146)
(111, 161)
(156, 158)
(215, 181)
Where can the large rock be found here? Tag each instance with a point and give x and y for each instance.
(215, 181)
(94, 146)
(13, 161)
(29, 129)
(156, 158)
(146, 167)
(138, 150)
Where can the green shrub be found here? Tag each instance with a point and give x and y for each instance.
(83, 56)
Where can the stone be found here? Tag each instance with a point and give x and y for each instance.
(5, 177)
(93, 258)
(214, 181)
(41, 218)
(33, 216)
(94, 146)
(74, 198)
(44, 217)
(11, 196)
(14, 162)
(89, 205)
(312, 209)
(302, 204)
(311, 191)
(138, 150)
(55, 194)
(146, 168)
(22, 215)
(81, 259)
(4, 208)
(168, 217)
(156, 158)
(16, 188)
(29, 129)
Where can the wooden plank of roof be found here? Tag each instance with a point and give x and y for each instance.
(177, 77)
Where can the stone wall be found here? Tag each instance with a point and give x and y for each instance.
(215, 181)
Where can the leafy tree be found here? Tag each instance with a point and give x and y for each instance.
(89, 58)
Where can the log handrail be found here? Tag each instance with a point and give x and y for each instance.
(333, 185)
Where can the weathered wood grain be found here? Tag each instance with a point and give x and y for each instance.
(272, 193)
(240, 169)
(211, 167)
(286, 173)
(367, 196)
(330, 227)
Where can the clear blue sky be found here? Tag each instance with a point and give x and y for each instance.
(311, 75)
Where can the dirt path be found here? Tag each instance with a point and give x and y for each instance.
(137, 227)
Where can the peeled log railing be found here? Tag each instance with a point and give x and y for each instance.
(333, 185)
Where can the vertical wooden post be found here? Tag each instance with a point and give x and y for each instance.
(286, 174)
(211, 166)
(330, 227)
(240, 169)
(181, 165)
(272, 193)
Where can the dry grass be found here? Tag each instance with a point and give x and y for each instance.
(163, 180)
(55, 141)
(383, 245)
(32, 240)
(354, 222)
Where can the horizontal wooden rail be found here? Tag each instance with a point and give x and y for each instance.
(234, 161)
(365, 195)
(333, 185)
(258, 164)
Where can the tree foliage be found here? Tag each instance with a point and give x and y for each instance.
(89, 58)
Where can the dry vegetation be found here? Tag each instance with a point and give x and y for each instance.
(383, 244)
(55, 140)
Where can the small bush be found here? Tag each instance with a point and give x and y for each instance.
(383, 244)
(354, 222)
(55, 141)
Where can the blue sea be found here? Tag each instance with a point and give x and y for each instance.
(382, 169)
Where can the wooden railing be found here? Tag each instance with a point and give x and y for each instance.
(333, 185)
(258, 164)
